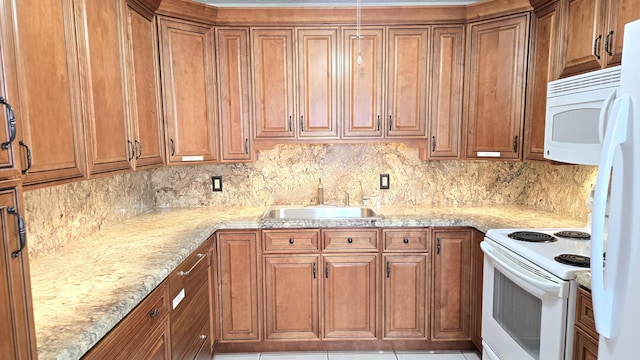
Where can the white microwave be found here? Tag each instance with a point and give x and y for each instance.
(577, 112)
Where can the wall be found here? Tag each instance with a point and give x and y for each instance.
(289, 174)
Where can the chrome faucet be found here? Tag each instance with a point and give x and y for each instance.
(320, 192)
(346, 199)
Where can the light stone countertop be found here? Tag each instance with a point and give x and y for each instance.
(84, 289)
(584, 278)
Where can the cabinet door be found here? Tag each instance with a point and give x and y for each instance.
(477, 261)
(407, 82)
(621, 12)
(350, 287)
(291, 287)
(186, 58)
(273, 85)
(583, 40)
(9, 143)
(239, 286)
(100, 29)
(18, 336)
(234, 91)
(144, 87)
(496, 87)
(445, 117)
(405, 296)
(49, 109)
(362, 106)
(542, 69)
(451, 285)
(317, 82)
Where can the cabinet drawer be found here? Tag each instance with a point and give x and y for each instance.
(584, 312)
(191, 327)
(406, 240)
(353, 239)
(149, 315)
(189, 278)
(290, 241)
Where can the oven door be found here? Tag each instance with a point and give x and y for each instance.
(524, 311)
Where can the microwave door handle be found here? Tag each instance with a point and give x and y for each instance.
(522, 277)
(603, 114)
(603, 299)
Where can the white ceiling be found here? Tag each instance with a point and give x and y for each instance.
(331, 3)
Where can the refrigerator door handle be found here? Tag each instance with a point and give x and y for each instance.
(603, 298)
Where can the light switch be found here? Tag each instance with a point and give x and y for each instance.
(384, 181)
(217, 183)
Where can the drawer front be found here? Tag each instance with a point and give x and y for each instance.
(151, 314)
(584, 312)
(191, 328)
(350, 240)
(406, 240)
(290, 240)
(188, 279)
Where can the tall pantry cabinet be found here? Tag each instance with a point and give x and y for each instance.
(17, 340)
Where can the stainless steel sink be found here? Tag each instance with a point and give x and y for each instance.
(320, 212)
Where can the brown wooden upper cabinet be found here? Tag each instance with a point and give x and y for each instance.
(363, 101)
(497, 58)
(543, 67)
(144, 88)
(186, 63)
(47, 104)
(234, 93)
(407, 82)
(9, 143)
(592, 33)
(295, 100)
(445, 110)
(101, 43)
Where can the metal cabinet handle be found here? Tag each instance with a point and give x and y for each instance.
(379, 122)
(290, 123)
(186, 273)
(596, 47)
(607, 43)
(301, 122)
(153, 313)
(22, 231)
(433, 144)
(326, 270)
(438, 247)
(26, 170)
(405, 240)
(350, 240)
(139, 152)
(291, 241)
(11, 120)
(173, 147)
(246, 146)
(390, 123)
(515, 144)
(315, 270)
(133, 150)
(388, 270)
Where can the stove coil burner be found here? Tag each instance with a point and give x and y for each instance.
(532, 236)
(575, 260)
(572, 234)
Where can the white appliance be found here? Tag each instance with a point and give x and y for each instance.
(616, 287)
(577, 113)
(528, 308)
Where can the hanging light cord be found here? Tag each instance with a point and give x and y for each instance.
(358, 23)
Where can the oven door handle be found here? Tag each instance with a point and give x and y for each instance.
(517, 273)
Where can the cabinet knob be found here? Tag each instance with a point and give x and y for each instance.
(291, 241)
(350, 240)
(153, 313)
(405, 240)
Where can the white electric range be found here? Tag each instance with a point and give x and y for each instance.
(528, 294)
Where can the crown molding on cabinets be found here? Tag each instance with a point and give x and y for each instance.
(188, 10)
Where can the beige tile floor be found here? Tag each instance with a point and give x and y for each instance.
(354, 355)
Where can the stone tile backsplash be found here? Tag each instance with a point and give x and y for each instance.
(288, 174)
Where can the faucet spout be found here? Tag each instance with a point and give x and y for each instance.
(320, 192)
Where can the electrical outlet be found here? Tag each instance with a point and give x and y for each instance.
(216, 181)
(384, 181)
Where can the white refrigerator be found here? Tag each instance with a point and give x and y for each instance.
(615, 260)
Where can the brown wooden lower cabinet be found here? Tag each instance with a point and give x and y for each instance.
(585, 342)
